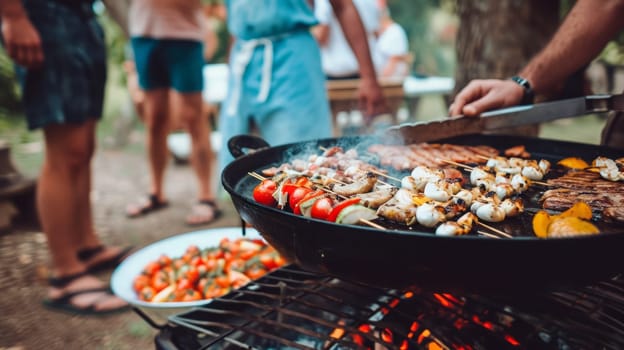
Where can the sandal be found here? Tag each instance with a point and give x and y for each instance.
(87, 254)
(204, 212)
(64, 302)
(146, 206)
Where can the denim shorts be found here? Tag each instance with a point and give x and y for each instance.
(69, 87)
(169, 63)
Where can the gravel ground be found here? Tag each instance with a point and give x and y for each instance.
(120, 177)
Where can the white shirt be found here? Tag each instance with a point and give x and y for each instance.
(167, 19)
(392, 42)
(336, 55)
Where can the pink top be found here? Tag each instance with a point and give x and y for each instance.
(167, 19)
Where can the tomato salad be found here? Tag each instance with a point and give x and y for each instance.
(208, 273)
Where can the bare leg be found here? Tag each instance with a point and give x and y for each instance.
(157, 124)
(63, 181)
(189, 110)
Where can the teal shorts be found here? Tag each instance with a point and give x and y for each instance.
(169, 63)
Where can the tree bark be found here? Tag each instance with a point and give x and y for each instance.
(497, 38)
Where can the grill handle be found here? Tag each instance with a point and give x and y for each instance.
(241, 145)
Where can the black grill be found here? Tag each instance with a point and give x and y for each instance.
(293, 309)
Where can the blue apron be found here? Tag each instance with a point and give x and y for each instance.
(276, 79)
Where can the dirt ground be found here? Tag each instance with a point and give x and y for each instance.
(119, 177)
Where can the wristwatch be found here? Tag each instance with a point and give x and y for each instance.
(529, 95)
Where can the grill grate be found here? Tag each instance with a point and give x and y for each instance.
(293, 309)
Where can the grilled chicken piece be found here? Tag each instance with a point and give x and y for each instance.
(376, 198)
(396, 211)
(361, 185)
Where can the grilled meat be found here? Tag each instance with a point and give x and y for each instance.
(603, 196)
(429, 154)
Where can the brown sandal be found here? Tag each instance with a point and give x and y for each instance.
(146, 206)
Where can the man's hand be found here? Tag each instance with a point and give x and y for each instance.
(372, 100)
(484, 95)
(22, 41)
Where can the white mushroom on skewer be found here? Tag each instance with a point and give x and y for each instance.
(430, 214)
(491, 212)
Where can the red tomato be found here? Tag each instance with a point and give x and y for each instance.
(140, 282)
(184, 284)
(333, 215)
(191, 295)
(268, 260)
(297, 195)
(160, 281)
(263, 193)
(321, 208)
(151, 268)
(222, 281)
(164, 260)
(147, 293)
(193, 275)
(310, 195)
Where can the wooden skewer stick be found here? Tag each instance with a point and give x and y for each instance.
(455, 163)
(372, 224)
(384, 175)
(256, 175)
(494, 229)
(487, 234)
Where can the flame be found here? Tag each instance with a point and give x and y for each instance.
(414, 326)
(511, 340)
(408, 294)
(386, 335)
(425, 334)
(394, 303)
(442, 300)
(485, 324)
(358, 339)
(337, 333)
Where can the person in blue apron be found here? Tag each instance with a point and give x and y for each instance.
(61, 56)
(276, 81)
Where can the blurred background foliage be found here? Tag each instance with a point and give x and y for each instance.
(431, 26)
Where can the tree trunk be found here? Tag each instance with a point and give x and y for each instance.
(497, 38)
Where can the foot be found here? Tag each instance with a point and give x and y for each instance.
(102, 257)
(83, 294)
(145, 206)
(204, 212)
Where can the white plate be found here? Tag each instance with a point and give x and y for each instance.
(175, 246)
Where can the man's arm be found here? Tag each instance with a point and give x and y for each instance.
(21, 40)
(371, 95)
(585, 31)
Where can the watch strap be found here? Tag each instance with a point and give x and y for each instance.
(529, 96)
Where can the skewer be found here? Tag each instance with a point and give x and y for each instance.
(494, 229)
(384, 175)
(487, 234)
(455, 163)
(372, 224)
(256, 175)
